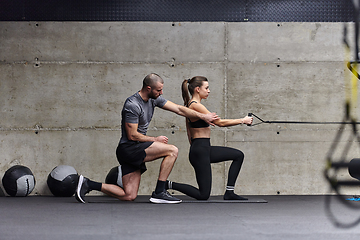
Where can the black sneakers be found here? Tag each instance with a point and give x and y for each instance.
(164, 197)
(82, 189)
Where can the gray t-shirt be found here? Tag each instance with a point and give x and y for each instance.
(136, 110)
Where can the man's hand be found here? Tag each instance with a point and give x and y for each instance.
(210, 117)
(162, 139)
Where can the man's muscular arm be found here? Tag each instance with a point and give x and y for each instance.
(134, 135)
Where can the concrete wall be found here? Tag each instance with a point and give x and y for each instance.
(63, 85)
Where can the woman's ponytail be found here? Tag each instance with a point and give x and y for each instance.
(185, 92)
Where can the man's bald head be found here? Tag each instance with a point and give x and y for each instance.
(151, 79)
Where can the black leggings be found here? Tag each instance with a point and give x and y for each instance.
(201, 155)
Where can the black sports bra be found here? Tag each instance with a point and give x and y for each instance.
(199, 123)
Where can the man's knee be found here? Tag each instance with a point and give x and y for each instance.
(171, 154)
(130, 194)
(174, 151)
(129, 197)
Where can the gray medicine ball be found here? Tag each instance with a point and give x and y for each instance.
(62, 181)
(18, 181)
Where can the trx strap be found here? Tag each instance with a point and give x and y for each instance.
(334, 165)
(297, 122)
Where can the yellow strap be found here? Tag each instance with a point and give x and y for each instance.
(354, 90)
(347, 75)
(351, 85)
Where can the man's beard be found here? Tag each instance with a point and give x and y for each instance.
(153, 96)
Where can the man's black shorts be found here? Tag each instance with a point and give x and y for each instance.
(131, 156)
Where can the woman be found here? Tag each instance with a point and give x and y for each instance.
(202, 154)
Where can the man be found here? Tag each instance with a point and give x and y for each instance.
(136, 148)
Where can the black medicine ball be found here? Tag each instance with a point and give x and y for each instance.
(62, 181)
(18, 181)
(354, 168)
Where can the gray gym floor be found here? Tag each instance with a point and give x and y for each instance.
(282, 217)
